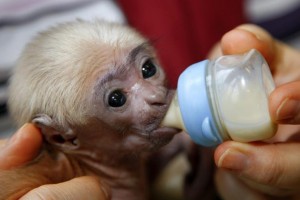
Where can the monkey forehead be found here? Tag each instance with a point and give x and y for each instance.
(57, 64)
(80, 42)
(80, 47)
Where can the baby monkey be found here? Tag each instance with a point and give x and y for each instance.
(98, 95)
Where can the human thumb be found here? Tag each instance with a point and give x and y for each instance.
(249, 36)
(23, 147)
(284, 103)
(85, 187)
(270, 168)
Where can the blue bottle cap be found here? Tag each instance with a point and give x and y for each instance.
(195, 107)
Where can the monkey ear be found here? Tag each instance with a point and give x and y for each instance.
(59, 137)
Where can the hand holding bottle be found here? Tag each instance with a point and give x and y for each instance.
(267, 169)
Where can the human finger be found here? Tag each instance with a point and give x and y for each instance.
(274, 167)
(284, 104)
(21, 148)
(246, 37)
(229, 187)
(243, 38)
(283, 59)
(85, 187)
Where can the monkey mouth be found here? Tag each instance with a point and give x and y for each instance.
(164, 133)
(151, 129)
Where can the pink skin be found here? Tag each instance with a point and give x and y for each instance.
(115, 142)
(125, 133)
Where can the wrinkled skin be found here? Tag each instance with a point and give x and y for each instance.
(116, 138)
(113, 145)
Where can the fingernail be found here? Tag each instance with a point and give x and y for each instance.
(233, 159)
(287, 110)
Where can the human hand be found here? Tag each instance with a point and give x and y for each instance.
(265, 170)
(22, 149)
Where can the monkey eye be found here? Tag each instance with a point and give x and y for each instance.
(116, 99)
(148, 69)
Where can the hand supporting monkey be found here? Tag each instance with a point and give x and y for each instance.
(271, 169)
(23, 148)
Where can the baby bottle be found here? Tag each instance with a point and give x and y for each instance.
(224, 99)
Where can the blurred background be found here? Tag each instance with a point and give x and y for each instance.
(183, 31)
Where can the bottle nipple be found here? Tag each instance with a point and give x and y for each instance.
(173, 116)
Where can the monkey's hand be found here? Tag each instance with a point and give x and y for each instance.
(29, 172)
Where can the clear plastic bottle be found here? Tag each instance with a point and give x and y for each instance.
(224, 99)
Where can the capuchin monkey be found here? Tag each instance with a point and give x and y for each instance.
(98, 94)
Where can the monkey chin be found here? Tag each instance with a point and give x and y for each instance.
(162, 135)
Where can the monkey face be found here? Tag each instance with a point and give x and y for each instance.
(90, 85)
(132, 98)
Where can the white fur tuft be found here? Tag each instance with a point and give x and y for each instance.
(53, 74)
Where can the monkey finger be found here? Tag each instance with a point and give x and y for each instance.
(23, 147)
(85, 187)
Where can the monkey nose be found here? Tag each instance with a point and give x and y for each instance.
(156, 97)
